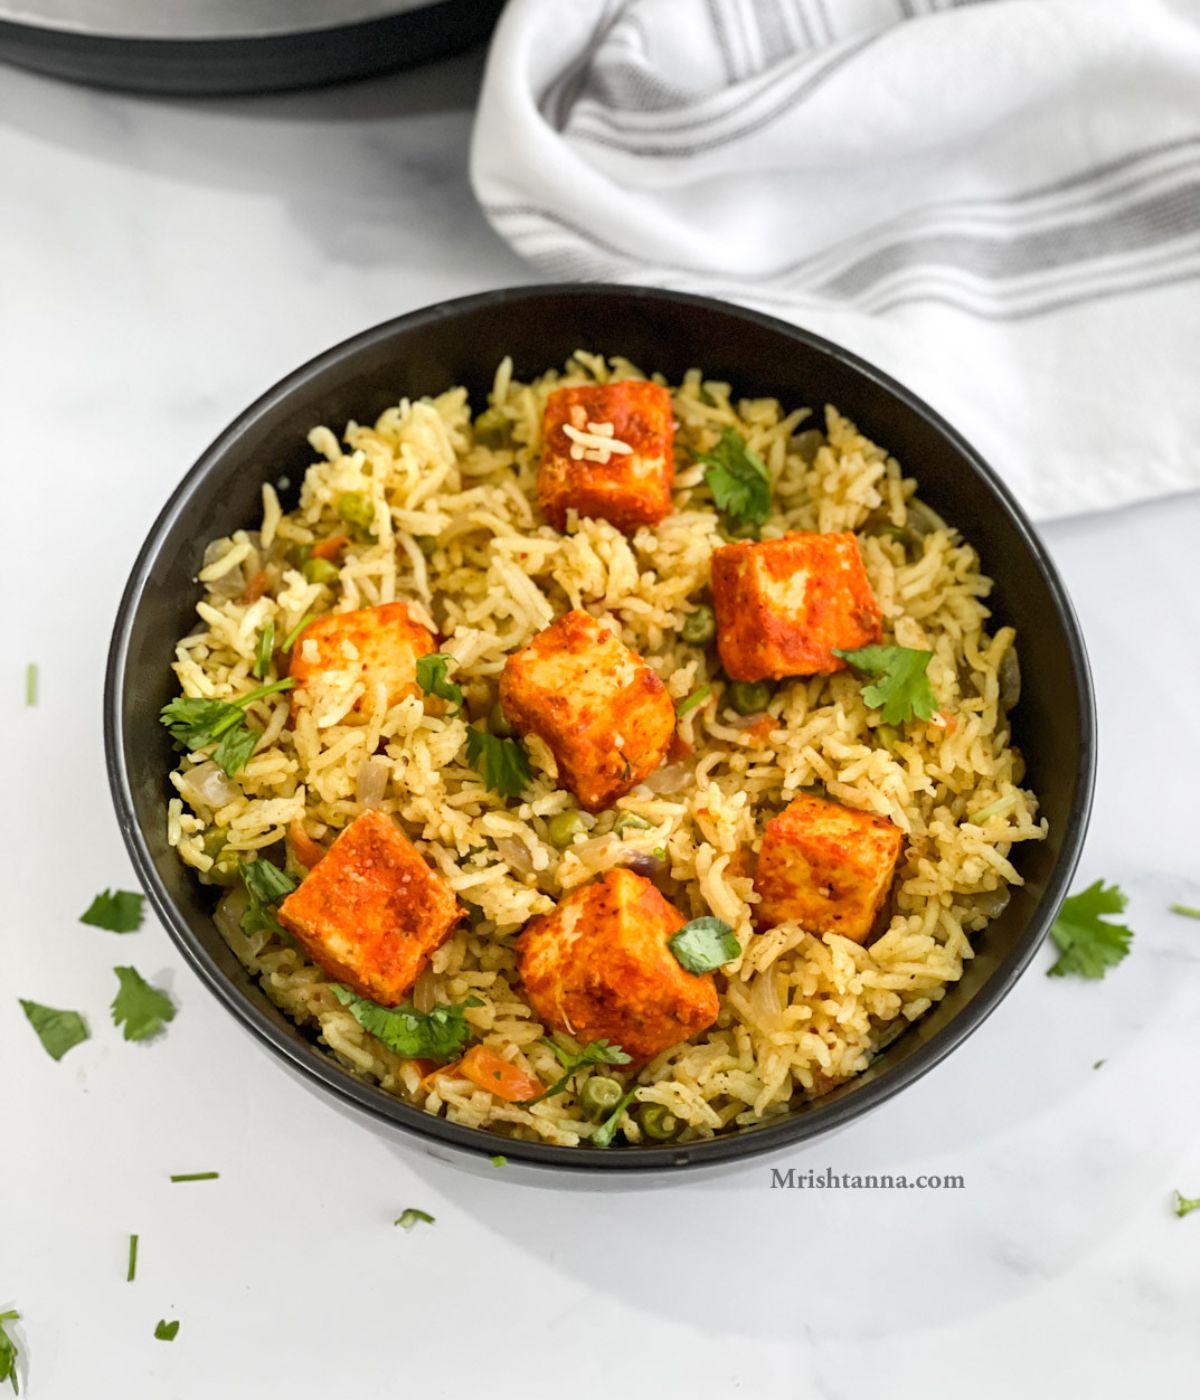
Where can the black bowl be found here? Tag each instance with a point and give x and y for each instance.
(461, 342)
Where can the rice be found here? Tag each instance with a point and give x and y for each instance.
(455, 532)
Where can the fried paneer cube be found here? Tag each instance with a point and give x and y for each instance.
(827, 867)
(603, 712)
(607, 452)
(783, 605)
(349, 662)
(372, 912)
(598, 967)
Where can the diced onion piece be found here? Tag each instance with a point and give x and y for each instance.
(372, 782)
(207, 786)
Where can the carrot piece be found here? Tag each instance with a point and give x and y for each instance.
(308, 852)
(256, 586)
(495, 1074)
(330, 548)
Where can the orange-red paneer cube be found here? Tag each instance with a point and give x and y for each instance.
(827, 867)
(362, 651)
(372, 912)
(783, 605)
(608, 452)
(603, 712)
(598, 967)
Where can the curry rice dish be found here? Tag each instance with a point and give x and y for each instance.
(624, 763)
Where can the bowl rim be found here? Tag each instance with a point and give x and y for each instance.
(319, 1066)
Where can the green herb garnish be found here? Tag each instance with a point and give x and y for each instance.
(167, 1331)
(143, 1008)
(438, 1034)
(267, 885)
(1089, 944)
(8, 1351)
(290, 640)
(131, 1271)
(630, 821)
(595, 1052)
(197, 723)
(607, 1130)
(901, 689)
(31, 683)
(502, 763)
(59, 1031)
(738, 479)
(118, 911)
(412, 1216)
(264, 649)
(689, 702)
(704, 944)
(1184, 1205)
(433, 680)
(498, 1160)
(1186, 910)
(196, 1176)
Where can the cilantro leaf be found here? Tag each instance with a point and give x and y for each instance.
(433, 680)
(1090, 944)
(408, 1218)
(266, 881)
(167, 1331)
(704, 944)
(502, 763)
(264, 649)
(143, 1008)
(267, 885)
(902, 687)
(438, 1034)
(738, 479)
(119, 911)
(8, 1351)
(197, 723)
(498, 1160)
(607, 1130)
(59, 1031)
(595, 1052)
(1184, 1205)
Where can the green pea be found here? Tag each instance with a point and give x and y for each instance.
(699, 627)
(658, 1121)
(599, 1096)
(564, 827)
(225, 864)
(749, 697)
(320, 571)
(808, 443)
(498, 722)
(493, 429)
(427, 544)
(356, 508)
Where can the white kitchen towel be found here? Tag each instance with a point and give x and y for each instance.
(997, 202)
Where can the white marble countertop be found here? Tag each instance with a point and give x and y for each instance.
(166, 261)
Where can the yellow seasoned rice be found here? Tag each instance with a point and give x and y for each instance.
(456, 530)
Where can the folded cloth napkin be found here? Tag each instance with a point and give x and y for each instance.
(996, 202)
